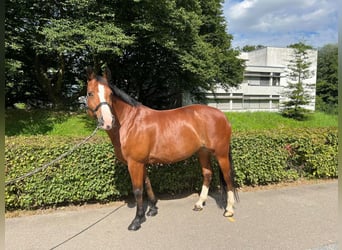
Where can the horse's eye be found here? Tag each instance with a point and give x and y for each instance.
(90, 94)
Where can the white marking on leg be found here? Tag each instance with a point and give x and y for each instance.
(230, 204)
(105, 110)
(203, 197)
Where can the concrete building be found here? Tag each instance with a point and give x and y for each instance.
(265, 79)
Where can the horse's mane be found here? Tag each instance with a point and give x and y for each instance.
(124, 96)
(119, 93)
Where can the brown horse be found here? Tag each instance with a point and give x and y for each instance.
(141, 135)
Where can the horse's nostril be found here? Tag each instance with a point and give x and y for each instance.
(101, 121)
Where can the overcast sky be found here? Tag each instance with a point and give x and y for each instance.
(282, 22)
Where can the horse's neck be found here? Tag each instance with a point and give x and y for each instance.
(122, 111)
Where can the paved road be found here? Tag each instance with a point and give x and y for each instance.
(302, 217)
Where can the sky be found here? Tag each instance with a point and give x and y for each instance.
(280, 23)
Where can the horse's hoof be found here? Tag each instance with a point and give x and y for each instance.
(228, 214)
(134, 227)
(152, 212)
(136, 223)
(197, 208)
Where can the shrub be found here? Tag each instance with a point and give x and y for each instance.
(92, 173)
(313, 153)
(86, 175)
(261, 159)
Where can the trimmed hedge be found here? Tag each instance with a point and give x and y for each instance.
(92, 173)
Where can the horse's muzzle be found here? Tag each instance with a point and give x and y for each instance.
(106, 125)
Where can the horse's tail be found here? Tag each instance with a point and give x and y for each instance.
(232, 176)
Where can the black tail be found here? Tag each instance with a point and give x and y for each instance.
(232, 176)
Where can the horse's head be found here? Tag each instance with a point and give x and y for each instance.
(99, 99)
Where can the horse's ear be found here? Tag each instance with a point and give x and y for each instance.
(90, 73)
(107, 74)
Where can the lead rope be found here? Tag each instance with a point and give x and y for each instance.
(52, 162)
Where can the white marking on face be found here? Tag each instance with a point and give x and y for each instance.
(105, 110)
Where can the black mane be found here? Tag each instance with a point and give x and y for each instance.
(118, 92)
(125, 97)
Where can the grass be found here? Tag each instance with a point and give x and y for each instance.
(41, 122)
(268, 120)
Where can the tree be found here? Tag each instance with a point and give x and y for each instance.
(248, 48)
(19, 37)
(179, 47)
(297, 93)
(156, 50)
(49, 44)
(327, 79)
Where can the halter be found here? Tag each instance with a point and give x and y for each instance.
(100, 119)
(98, 106)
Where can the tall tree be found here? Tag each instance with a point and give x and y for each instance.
(327, 79)
(48, 42)
(21, 31)
(248, 48)
(297, 93)
(156, 50)
(180, 47)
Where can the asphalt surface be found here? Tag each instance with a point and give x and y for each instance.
(301, 217)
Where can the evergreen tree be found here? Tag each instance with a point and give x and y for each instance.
(297, 90)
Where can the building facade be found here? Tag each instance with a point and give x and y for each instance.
(266, 77)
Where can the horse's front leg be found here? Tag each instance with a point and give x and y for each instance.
(136, 171)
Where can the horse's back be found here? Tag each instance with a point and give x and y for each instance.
(211, 117)
(198, 109)
(199, 117)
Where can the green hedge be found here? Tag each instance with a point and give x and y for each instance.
(92, 173)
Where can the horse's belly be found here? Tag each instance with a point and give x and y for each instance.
(174, 152)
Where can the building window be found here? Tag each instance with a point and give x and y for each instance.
(275, 104)
(258, 78)
(237, 104)
(264, 81)
(262, 78)
(253, 80)
(275, 79)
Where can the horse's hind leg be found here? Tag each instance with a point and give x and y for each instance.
(153, 201)
(204, 158)
(226, 168)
